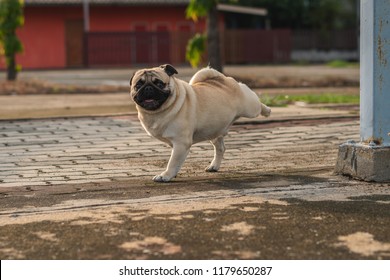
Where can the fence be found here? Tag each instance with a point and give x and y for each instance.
(137, 48)
(238, 46)
(123, 48)
(320, 46)
(325, 40)
(256, 46)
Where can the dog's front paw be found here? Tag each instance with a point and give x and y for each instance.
(212, 168)
(161, 178)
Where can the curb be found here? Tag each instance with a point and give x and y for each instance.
(238, 122)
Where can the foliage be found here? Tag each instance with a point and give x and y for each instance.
(199, 8)
(195, 49)
(11, 17)
(196, 46)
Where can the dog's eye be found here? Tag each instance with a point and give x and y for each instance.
(159, 84)
(139, 84)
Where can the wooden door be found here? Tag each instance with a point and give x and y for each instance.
(74, 31)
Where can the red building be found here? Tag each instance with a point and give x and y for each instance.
(54, 34)
(112, 33)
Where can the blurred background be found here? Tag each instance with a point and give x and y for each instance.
(62, 34)
(287, 50)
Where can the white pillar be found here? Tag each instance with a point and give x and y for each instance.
(370, 159)
(375, 72)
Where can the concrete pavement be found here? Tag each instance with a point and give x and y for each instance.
(72, 105)
(268, 75)
(80, 188)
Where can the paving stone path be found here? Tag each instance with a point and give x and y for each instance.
(106, 149)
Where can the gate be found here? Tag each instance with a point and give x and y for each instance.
(126, 48)
(151, 48)
(257, 46)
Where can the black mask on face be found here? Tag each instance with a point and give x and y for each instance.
(151, 95)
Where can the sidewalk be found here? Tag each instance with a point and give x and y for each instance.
(80, 188)
(281, 73)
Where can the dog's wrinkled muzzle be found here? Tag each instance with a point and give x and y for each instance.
(150, 97)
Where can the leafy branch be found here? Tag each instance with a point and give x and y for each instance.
(11, 18)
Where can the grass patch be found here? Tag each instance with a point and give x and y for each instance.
(325, 98)
(341, 64)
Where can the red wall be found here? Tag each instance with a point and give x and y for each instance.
(114, 18)
(43, 35)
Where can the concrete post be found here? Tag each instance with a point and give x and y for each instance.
(86, 15)
(370, 159)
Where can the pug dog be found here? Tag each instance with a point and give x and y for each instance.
(182, 114)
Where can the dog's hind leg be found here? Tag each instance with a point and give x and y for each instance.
(265, 110)
(219, 150)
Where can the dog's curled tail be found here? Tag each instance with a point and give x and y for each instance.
(205, 74)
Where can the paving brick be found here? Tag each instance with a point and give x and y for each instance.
(57, 182)
(21, 184)
(97, 176)
(79, 151)
(106, 171)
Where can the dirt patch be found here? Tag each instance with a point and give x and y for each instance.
(42, 87)
(363, 243)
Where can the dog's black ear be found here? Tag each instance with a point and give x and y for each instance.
(131, 79)
(169, 69)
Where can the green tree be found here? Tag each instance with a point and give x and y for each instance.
(11, 17)
(205, 8)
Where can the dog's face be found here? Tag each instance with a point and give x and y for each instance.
(150, 88)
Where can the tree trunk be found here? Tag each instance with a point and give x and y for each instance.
(214, 55)
(11, 69)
